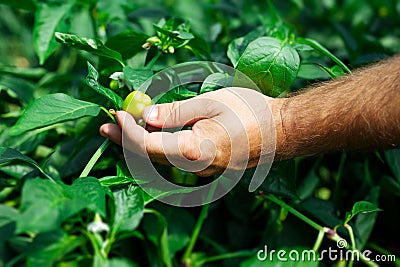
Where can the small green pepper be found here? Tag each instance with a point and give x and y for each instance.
(114, 85)
(135, 103)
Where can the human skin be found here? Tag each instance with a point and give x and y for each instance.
(357, 112)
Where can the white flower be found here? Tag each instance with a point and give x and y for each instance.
(120, 77)
(97, 227)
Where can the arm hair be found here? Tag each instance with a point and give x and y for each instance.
(358, 112)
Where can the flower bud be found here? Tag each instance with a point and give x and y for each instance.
(171, 49)
(147, 45)
(154, 40)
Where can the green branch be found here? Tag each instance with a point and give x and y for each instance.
(196, 233)
(95, 158)
(295, 212)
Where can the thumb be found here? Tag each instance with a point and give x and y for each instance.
(179, 113)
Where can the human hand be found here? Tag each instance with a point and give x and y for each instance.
(232, 128)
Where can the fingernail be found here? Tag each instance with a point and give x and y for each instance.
(151, 113)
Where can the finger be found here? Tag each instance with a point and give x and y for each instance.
(133, 134)
(179, 113)
(181, 148)
(138, 140)
(111, 131)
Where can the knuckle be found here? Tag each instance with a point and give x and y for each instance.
(174, 112)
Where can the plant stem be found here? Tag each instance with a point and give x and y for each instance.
(351, 234)
(196, 232)
(198, 226)
(109, 114)
(295, 212)
(95, 158)
(337, 191)
(44, 173)
(320, 237)
(352, 240)
(153, 61)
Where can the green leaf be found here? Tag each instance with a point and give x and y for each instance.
(361, 207)
(26, 73)
(364, 223)
(42, 206)
(17, 88)
(8, 155)
(123, 176)
(281, 179)
(47, 17)
(311, 71)
(129, 208)
(128, 43)
(88, 193)
(123, 170)
(176, 94)
(16, 171)
(272, 64)
(173, 32)
(45, 204)
(237, 46)
(108, 181)
(319, 48)
(92, 81)
(52, 109)
(25, 143)
(174, 28)
(216, 81)
(308, 184)
(94, 46)
(8, 216)
(83, 16)
(180, 227)
(199, 47)
(136, 78)
(157, 232)
(48, 248)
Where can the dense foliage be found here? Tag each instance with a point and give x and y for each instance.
(67, 197)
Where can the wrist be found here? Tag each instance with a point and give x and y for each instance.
(277, 106)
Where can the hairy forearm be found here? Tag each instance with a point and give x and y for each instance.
(357, 112)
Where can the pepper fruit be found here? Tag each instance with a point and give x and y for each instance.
(135, 103)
